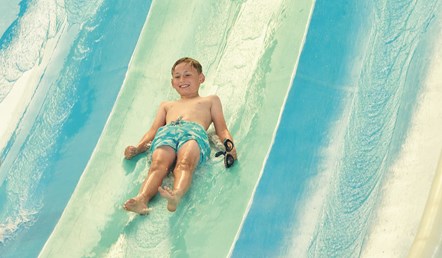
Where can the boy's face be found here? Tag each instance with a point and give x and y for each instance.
(186, 80)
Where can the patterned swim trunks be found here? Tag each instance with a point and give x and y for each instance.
(178, 132)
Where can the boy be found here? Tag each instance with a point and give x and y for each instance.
(179, 132)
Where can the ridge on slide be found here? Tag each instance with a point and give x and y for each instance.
(249, 52)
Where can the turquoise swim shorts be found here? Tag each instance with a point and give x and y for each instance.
(178, 132)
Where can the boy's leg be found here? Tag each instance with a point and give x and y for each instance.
(187, 160)
(162, 159)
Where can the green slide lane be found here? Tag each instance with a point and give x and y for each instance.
(249, 51)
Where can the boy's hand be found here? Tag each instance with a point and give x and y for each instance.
(130, 152)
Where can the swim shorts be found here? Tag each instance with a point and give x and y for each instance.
(178, 132)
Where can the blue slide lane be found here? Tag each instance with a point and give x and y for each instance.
(85, 90)
(357, 67)
(313, 103)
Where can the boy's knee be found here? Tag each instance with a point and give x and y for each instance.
(186, 164)
(159, 165)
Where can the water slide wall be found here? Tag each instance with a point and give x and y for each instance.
(334, 108)
(66, 61)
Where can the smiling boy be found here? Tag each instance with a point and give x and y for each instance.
(178, 133)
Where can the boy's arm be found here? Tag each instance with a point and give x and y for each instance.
(142, 146)
(220, 123)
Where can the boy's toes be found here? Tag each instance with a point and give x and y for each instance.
(129, 203)
(145, 211)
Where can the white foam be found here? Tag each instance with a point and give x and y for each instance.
(14, 105)
(43, 38)
(25, 60)
(409, 180)
(11, 224)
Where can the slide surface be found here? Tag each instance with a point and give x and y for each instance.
(249, 53)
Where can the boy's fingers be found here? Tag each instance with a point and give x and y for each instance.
(129, 152)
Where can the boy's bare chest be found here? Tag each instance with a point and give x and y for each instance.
(196, 111)
(189, 107)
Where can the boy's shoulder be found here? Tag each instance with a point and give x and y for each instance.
(166, 104)
(211, 100)
(212, 97)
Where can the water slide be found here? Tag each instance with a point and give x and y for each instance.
(334, 107)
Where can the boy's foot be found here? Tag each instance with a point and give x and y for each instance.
(172, 198)
(136, 205)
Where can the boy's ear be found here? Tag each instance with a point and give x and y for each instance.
(202, 78)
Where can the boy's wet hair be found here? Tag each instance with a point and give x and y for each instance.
(190, 61)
